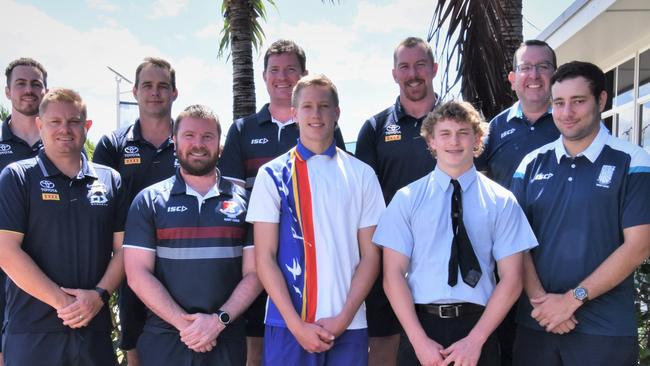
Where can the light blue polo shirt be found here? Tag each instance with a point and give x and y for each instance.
(417, 223)
(578, 208)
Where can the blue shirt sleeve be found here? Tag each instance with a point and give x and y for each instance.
(512, 231)
(14, 199)
(366, 149)
(636, 210)
(394, 227)
(231, 162)
(106, 153)
(140, 228)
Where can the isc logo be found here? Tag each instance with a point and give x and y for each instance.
(176, 209)
(261, 141)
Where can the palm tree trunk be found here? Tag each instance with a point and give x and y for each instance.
(511, 34)
(241, 45)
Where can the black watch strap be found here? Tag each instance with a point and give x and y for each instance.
(103, 294)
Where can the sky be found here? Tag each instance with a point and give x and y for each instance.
(350, 42)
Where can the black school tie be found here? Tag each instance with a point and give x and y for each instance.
(462, 252)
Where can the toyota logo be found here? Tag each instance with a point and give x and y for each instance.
(392, 128)
(47, 184)
(5, 147)
(131, 149)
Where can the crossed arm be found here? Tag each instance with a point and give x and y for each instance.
(555, 312)
(75, 307)
(198, 331)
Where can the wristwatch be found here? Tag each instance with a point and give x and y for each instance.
(224, 317)
(580, 293)
(103, 294)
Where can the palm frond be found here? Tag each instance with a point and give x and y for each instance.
(258, 9)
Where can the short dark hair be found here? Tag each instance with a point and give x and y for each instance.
(411, 42)
(25, 61)
(197, 111)
(536, 43)
(593, 74)
(286, 46)
(159, 62)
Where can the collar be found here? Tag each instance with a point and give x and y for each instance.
(264, 115)
(49, 169)
(282, 123)
(180, 187)
(398, 109)
(591, 152)
(517, 112)
(305, 153)
(444, 180)
(135, 132)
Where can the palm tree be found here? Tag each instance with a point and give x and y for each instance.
(481, 37)
(4, 112)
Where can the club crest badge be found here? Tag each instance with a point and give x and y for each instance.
(231, 209)
(605, 177)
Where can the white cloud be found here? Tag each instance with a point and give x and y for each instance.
(396, 16)
(102, 5)
(210, 31)
(167, 8)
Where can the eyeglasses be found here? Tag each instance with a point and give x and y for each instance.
(542, 68)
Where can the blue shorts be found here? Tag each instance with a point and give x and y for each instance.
(282, 348)
(537, 348)
(80, 347)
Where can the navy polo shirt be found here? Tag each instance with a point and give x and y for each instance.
(140, 163)
(578, 208)
(255, 140)
(68, 226)
(13, 148)
(198, 243)
(391, 144)
(510, 137)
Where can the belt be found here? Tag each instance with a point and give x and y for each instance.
(449, 311)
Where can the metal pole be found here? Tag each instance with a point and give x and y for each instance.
(117, 100)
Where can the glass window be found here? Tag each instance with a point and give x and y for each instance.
(625, 124)
(644, 73)
(645, 126)
(625, 83)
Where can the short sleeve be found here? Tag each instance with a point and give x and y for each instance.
(106, 153)
(140, 228)
(14, 209)
(373, 200)
(636, 210)
(121, 203)
(394, 228)
(264, 204)
(512, 232)
(231, 162)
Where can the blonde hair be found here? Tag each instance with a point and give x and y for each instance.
(63, 95)
(461, 112)
(314, 80)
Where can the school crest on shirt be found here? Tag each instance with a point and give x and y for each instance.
(48, 190)
(97, 194)
(392, 132)
(132, 155)
(231, 209)
(605, 176)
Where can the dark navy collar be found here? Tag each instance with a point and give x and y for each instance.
(264, 115)
(517, 112)
(135, 132)
(305, 153)
(49, 169)
(399, 113)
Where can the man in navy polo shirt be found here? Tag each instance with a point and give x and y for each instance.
(528, 124)
(391, 144)
(189, 256)
(443, 235)
(257, 139)
(143, 153)
(19, 139)
(61, 229)
(586, 197)
(518, 130)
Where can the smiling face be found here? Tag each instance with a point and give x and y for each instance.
(454, 144)
(154, 92)
(63, 129)
(197, 146)
(576, 111)
(533, 84)
(25, 90)
(414, 71)
(317, 112)
(282, 73)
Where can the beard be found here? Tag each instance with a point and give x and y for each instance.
(198, 168)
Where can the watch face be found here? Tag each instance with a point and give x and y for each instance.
(224, 317)
(580, 293)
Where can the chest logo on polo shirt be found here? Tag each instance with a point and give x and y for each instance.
(542, 176)
(176, 209)
(506, 133)
(48, 191)
(231, 209)
(392, 132)
(131, 155)
(97, 194)
(5, 149)
(261, 141)
(605, 176)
